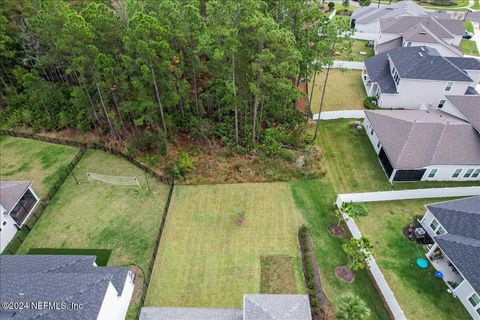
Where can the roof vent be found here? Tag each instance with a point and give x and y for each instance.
(423, 49)
(423, 32)
(421, 54)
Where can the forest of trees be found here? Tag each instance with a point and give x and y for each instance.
(214, 69)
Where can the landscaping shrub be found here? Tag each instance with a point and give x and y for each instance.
(355, 209)
(304, 234)
(370, 102)
(182, 166)
(331, 6)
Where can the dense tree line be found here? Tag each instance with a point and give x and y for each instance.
(214, 69)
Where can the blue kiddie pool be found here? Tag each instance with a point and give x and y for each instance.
(422, 263)
(439, 274)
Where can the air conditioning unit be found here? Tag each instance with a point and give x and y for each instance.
(419, 233)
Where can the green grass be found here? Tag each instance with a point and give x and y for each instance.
(419, 293)
(468, 26)
(277, 275)
(315, 199)
(352, 165)
(345, 91)
(469, 47)
(458, 3)
(357, 47)
(40, 162)
(207, 259)
(476, 5)
(96, 215)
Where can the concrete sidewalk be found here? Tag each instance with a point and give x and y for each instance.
(352, 65)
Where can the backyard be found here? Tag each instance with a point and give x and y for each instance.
(36, 161)
(220, 242)
(352, 165)
(419, 293)
(96, 215)
(360, 52)
(345, 91)
(315, 199)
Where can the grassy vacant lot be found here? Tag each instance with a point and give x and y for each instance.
(40, 162)
(352, 165)
(96, 215)
(419, 293)
(344, 91)
(469, 47)
(357, 47)
(315, 199)
(215, 239)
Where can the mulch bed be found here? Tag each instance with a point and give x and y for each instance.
(138, 283)
(345, 273)
(338, 230)
(327, 310)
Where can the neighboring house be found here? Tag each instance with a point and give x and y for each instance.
(464, 107)
(63, 288)
(17, 201)
(454, 227)
(418, 77)
(419, 145)
(444, 35)
(366, 19)
(255, 307)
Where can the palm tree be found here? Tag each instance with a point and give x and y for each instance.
(351, 307)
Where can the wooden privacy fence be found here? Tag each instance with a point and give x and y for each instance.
(89, 145)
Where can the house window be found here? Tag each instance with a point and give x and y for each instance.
(409, 44)
(378, 144)
(468, 173)
(449, 86)
(396, 76)
(432, 173)
(434, 224)
(474, 299)
(456, 173)
(4, 223)
(476, 173)
(371, 131)
(440, 231)
(441, 104)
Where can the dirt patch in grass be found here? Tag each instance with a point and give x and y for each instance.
(277, 275)
(345, 273)
(338, 230)
(138, 284)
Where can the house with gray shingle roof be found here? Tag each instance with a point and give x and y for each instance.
(424, 145)
(255, 307)
(366, 19)
(17, 202)
(62, 287)
(418, 77)
(444, 35)
(454, 227)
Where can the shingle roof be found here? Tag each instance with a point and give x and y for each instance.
(190, 314)
(67, 279)
(276, 307)
(469, 106)
(378, 69)
(415, 139)
(461, 243)
(425, 63)
(402, 8)
(473, 16)
(442, 28)
(389, 45)
(11, 192)
(422, 34)
(465, 63)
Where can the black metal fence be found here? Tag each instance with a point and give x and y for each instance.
(88, 145)
(42, 205)
(148, 273)
(38, 211)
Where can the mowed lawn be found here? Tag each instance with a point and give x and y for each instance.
(208, 257)
(469, 47)
(419, 293)
(96, 215)
(345, 91)
(360, 52)
(31, 160)
(352, 165)
(315, 199)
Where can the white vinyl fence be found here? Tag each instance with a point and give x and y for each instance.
(407, 194)
(380, 281)
(341, 114)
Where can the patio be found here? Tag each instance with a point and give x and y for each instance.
(441, 263)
